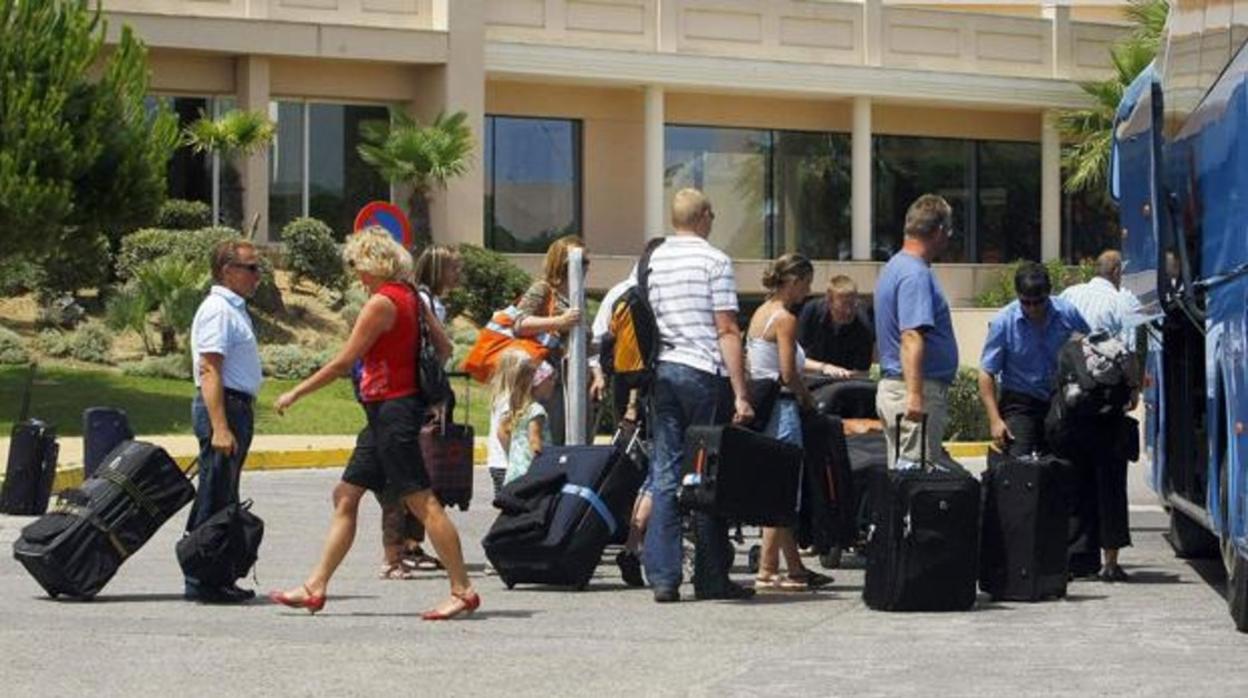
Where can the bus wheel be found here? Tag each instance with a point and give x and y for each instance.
(1237, 593)
(1189, 539)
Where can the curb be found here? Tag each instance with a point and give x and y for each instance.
(67, 478)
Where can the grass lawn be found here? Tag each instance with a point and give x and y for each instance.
(162, 406)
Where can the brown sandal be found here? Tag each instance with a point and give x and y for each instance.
(396, 571)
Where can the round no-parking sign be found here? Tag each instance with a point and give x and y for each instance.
(388, 216)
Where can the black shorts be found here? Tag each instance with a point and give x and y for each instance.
(387, 458)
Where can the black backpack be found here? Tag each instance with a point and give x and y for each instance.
(630, 350)
(224, 548)
(1096, 375)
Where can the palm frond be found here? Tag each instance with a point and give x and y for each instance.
(236, 132)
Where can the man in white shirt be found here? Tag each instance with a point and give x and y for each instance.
(227, 376)
(694, 295)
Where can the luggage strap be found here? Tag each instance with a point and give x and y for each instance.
(86, 514)
(594, 501)
(131, 489)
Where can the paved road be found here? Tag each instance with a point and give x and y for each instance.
(1164, 633)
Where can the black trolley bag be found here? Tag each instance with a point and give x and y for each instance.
(1023, 547)
(923, 545)
(223, 549)
(78, 547)
(741, 475)
(102, 429)
(828, 512)
(594, 499)
(31, 468)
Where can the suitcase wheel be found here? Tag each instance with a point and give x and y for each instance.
(753, 557)
(831, 559)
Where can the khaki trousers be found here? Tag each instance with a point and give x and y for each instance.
(890, 401)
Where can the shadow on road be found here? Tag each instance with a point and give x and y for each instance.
(1212, 572)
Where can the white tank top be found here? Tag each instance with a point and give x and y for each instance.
(764, 355)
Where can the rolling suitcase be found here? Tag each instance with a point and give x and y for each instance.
(447, 451)
(826, 519)
(923, 546)
(31, 468)
(78, 547)
(102, 429)
(741, 475)
(593, 498)
(1023, 549)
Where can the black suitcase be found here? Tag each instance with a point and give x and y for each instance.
(922, 551)
(852, 398)
(224, 548)
(102, 429)
(79, 546)
(741, 475)
(868, 463)
(1023, 548)
(596, 487)
(31, 469)
(827, 518)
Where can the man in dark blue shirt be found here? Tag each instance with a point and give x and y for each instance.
(1021, 353)
(914, 329)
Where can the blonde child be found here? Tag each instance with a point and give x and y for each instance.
(524, 427)
(505, 373)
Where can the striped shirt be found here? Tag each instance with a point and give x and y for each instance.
(1103, 307)
(690, 280)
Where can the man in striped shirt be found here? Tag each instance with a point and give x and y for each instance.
(1102, 517)
(694, 295)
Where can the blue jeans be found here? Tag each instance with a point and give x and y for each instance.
(785, 423)
(683, 396)
(219, 473)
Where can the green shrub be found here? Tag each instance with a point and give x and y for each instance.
(291, 361)
(151, 244)
(12, 350)
(489, 282)
(52, 343)
(174, 366)
(1002, 292)
(180, 214)
(967, 420)
(353, 300)
(312, 254)
(72, 267)
(92, 342)
(18, 274)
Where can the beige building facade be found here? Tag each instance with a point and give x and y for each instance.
(811, 123)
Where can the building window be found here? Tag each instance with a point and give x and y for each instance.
(314, 167)
(993, 188)
(773, 191)
(1089, 224)
(198, 176)
(532, 182)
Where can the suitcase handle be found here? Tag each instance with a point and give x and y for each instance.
(922, 439)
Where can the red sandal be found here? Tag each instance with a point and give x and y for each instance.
(310, 602)
(469, 601)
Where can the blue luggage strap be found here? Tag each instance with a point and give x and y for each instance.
(594, 501)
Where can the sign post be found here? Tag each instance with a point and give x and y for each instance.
(578, 360)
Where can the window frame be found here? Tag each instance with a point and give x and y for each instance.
(489, 171)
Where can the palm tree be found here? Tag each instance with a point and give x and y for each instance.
(423, 157)
(1089, 132)
(172, 287)
(234, 135)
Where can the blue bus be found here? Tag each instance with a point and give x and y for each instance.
(1180, 174)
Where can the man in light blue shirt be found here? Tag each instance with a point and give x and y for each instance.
(226, 368)
(914, 331)
(1021, 353)
(1102, 301)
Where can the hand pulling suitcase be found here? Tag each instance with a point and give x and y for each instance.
(922, 549)
(741, 475)
(1023, 549)
(78, 547)
(447, 451)
(102, 429)
(31, 468)
(594, 500)
(827, 518)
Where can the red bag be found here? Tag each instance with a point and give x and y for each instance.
(447, 452)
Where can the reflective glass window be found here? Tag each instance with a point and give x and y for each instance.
(1008, 196)
(811, 190)
(286, 166)
(906, 168)
(340, 183)
(731, 166)
(532, 182)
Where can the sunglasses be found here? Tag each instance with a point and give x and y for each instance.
(252, 267)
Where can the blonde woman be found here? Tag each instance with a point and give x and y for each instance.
(387, 453)
(436, 273)
(545, 308)
(774, 354)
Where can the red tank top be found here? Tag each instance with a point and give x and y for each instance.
(389, 369)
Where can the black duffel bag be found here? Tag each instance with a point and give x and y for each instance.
(224, 548)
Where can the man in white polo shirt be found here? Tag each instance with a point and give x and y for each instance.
(227, 377)
(700, 379)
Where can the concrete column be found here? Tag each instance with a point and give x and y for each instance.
(1050, 189)
(655, 206)
(252, 80)
(860, 204)
(457, 214)
(1063, 39)
(872, 31)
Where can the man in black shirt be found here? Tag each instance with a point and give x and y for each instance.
(836, 333)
